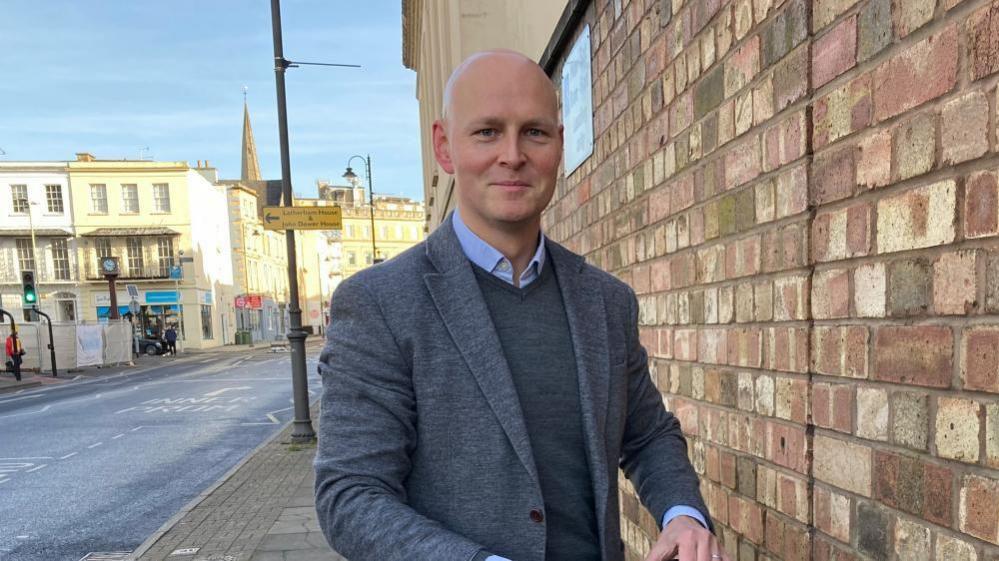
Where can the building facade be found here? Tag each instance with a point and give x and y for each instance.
(166, 223)
(37, 233)
(437, 35)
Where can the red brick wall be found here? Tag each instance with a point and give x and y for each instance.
(804, 195)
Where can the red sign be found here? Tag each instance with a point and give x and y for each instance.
(240, 302)
(254, 302)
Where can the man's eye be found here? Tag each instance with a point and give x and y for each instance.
(486, 132)
(536, 132)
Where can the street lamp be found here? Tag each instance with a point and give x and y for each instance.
(349, 175)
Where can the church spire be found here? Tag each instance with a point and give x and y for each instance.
(250, 167)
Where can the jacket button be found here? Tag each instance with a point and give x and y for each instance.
(537, 516)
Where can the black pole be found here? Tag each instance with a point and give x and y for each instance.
(13, 329)
(302, 430)
(371, 201)
(55, 373)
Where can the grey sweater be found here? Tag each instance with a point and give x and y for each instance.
(534, 333)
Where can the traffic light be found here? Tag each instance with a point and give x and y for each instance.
(29, 297)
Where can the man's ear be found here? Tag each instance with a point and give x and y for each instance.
(442, 147)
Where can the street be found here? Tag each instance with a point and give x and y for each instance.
(98, 466)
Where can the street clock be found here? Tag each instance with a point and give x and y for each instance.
(109, 266)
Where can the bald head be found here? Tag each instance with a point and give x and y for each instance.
(494, 66)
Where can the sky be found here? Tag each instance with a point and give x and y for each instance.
(164, 80)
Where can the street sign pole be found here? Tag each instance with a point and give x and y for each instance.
(48, 320)
(302, 430)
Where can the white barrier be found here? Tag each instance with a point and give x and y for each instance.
(104, 344)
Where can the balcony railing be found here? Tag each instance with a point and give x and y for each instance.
(148, 272)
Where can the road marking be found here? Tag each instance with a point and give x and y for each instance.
(70, 455)
(36, 468)
(223, 390)
(4, 480)
(29, 458)
(94, 445)
(20, 398)
(117, 436)
(135, 429)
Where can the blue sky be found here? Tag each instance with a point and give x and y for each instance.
(112, 77)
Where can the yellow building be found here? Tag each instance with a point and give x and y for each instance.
(167, 225)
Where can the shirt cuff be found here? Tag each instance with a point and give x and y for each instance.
(496, 558)
(683, 510)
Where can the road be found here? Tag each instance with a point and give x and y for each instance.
(98, 466)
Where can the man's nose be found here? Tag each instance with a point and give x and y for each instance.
(512, 153)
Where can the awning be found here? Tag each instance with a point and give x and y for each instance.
(39, 233)
(116, 232)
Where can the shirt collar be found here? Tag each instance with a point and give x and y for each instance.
(489, 258)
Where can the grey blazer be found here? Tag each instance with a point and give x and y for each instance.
(423, 452)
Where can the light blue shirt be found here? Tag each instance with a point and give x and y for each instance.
(490, 259)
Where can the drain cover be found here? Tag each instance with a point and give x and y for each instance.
(185, 551)
(107, 556)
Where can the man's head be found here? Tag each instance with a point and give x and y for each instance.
(501, 139)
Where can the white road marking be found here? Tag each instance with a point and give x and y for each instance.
(20, 398)
(135, 429)
(29, 458)
(70, 455)
(223, 390)
(36, 468)
(117, 436)
(94, 445)
(4, 480)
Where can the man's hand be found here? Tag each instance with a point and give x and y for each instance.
(684, 539)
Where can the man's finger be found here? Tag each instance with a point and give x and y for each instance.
(661, 552)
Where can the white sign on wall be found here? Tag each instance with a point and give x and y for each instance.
(577, 103)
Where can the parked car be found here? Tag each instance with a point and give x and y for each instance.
(150, 346)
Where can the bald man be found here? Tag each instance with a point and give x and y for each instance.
(481, 390)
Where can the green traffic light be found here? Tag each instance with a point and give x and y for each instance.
(30, 298)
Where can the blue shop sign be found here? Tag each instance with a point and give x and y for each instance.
(162, 297)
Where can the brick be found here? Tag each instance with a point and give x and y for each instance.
(832, 513)
(912, 540)
(831, 294)
(917, 355)
(914, 146)
(845, 110)
(743, 18)
(953, 549)
(922, 217)
(825, 11)
(742, 66)
(709, 92)
(980, 359)
(922, 72)
(979, 516)
(792, 192)
(910, 287)
(964, 123)
(955, 283)
(842, 233)
(856, 341)
(981, 207)
(843, 464)
(872, 414)
(875, 29)
(874, 161)
(763, 101)
(910, 414)
(834, 52)
(869, 289)
(874, 530)
(786, 31)
(938, 490)
(791, 78)
(789, 299)
(957, 427)
(742, 163)
(765, 395)
(786, 446)
(833, 175)
(983, 38)
(910, 15)
(992, 435)
(743, 112)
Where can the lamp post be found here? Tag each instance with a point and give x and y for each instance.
(349, 175)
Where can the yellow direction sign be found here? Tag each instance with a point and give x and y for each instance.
(303, 218)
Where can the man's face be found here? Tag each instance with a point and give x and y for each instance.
(502, 142)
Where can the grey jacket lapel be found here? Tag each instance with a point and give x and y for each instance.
(584, 309)
(456, 295)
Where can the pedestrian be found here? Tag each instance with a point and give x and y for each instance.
(15, 354)
(482, 389)
(171, 339)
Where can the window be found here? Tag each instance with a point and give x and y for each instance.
(351, 258)
(383, 232)
(98, 199)
(103, 247)
(398, 231)
(367, 258)
(206, 322)
(350, 230)
(53, 198)
(60, 259)
(25, 254)
(134, 248)
(165, 250)
(161, 197)
(130, 199)
(19, 198)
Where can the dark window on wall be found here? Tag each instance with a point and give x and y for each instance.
(25, 254)
(206, 322)
(53, 198)
(60, 259)
(135, 261)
